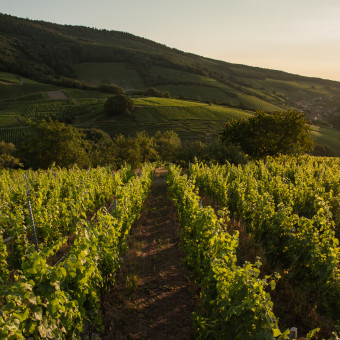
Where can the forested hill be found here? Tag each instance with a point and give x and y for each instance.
(47, 51)
(52, 47)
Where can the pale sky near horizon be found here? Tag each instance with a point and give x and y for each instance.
(296, 36)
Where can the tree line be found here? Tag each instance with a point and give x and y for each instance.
(55, 143)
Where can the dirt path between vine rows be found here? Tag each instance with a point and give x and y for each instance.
(152, 297)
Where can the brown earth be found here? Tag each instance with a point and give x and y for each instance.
(56, 95)
(152, 297)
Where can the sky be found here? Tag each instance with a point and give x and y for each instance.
(296, 36)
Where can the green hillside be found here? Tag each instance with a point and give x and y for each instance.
(191, 120)
(47, 52)
(107, 73)
(52, 71)
(327, 137)
(23, 100)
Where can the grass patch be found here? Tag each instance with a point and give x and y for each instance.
(163, 109)
(19, 91)
(155, 101)
(108, 73)
(256, 103)
(76, 93)
(291, 89)
(328, 137)
(186, 77)
(200, 92)
(7, 121)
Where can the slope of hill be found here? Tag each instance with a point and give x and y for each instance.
(191, 120)
(23, 100)
(46, 51)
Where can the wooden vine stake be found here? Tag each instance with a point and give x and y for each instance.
(293, 333)
(35, 239)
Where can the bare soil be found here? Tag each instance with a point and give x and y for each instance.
(152, 297)
(56, 95)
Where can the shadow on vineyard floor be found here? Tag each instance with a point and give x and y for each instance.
(152, 297)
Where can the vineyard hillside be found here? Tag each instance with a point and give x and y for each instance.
(94, 57)
(23, 100)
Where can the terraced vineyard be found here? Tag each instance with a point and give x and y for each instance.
(22, 100)
(15, 134)
(191, 120)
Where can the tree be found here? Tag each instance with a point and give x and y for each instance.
(216, 152)
(101, 147)
(7, 148)
(113, 89)
(125, 151)
(153, 92)
(134, 151)
(167, 144)
(55, 142)
(7, 160)
(271, 134)
(146, 147)
(188, 151)
(119, 104)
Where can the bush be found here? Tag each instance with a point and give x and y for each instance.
(7, 160)
(217, 152)
(113, 89)
(54, 142)
(167, 144)
(153, 92)
(270, 134)
(134, 151)
(120, 104)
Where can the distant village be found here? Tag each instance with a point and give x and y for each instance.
(317, 108)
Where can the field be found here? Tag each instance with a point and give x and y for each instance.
(8, 121)
(109, 73)
(242, 229)
(82, 218)
(280, 215)
(201, 250)
(181, 84)
(191, 120)
(291, 88)
(137, 63)
(24, 100)
(328, 137)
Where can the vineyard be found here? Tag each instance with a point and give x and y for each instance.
(15, 134)
(261, 242)
(291, 208)
(45, 109)
(51, 275)
(23, 100)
